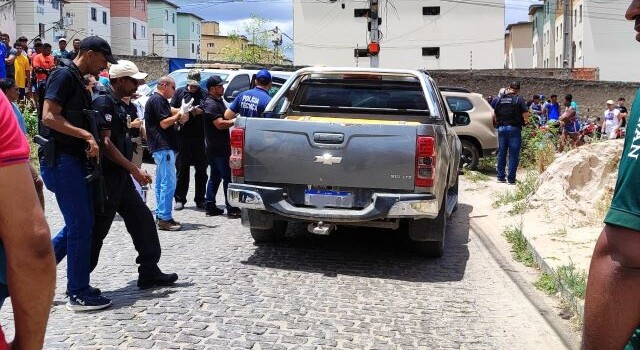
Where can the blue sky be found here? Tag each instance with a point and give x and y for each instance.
(232, 13)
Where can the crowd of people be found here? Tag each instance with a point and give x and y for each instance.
(86, 148)
(90, 130)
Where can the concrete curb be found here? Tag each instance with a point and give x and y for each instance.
(573, 302)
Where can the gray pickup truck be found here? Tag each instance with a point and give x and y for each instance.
(350, 147)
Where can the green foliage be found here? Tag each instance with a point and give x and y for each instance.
(475, 176)
(522, 191)
(519, 246)
(538, 146)
(31, 120)
(574, 280)
(251, 44)
(546, 283)
(487, 165)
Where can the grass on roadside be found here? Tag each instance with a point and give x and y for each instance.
(521, 192)
(561, 232)
(572, 279)
(487, 165)
(475, 176)
(546, 283)
(519, 246)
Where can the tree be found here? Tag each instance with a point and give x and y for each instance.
(252, 44)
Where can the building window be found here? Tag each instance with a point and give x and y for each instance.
(143, 32)
(143, 53)
(431, 10)
(166, 39)
(198, 27)
(431, 51)
(104, 17)
(135, 4)
(575, 17)
(55, 4)
(580, 49)
(135, 52)
(41, 2)
(210, 45)
(94, 14)
(41, 30)
(135, 30)
(166, 14)
(193, 48)
(580, 13)
(193, 27)
(173, 17)
(174, 40)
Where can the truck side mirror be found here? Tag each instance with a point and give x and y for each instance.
(461, 118)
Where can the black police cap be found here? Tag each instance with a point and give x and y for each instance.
(97, 44)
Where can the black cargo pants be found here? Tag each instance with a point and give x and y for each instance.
(191, 152)
(138, 219)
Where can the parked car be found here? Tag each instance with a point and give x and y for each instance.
(350, 147)
(479, 138)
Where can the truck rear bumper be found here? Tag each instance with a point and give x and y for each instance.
(382, 206)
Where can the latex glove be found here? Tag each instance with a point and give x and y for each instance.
(186, 107)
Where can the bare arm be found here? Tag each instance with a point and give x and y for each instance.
(223, 124)
(51, 118)
(31, 267)
(10, 59)
(525, 117)
(229, 114)
(112, 152)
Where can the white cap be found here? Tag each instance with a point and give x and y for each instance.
(125, 68)
(62, 39)
(610, 102)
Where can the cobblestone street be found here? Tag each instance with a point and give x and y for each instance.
(356, 289)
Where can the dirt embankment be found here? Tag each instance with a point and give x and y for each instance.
(576, 189)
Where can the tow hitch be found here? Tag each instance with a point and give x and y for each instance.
(321, 228)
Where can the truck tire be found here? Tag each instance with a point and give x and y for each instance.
(435, 229)
(470, 155)
(274, 234)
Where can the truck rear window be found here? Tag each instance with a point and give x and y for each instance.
(361, 95)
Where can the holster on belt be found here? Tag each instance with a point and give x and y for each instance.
(46, 151)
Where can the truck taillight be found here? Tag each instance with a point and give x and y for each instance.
(425, 161)
(236, 161)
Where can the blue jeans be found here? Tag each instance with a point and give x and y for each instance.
(165, 182)
(75, 199)
(220, 171)
(509, 140)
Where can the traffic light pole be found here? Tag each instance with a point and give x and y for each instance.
(375, 33)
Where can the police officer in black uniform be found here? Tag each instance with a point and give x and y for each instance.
(117, 167)
(191, 147)
(64, 152)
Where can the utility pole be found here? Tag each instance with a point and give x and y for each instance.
(375, 33)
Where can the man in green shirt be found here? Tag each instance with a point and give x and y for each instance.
(612, 303)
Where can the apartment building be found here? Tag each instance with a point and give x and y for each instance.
(8, 17)
(212, 43)
(431, 34)
(589, 34)
(536, 17)
(518, 48)
(88, 17)
(163, 28)
(189, 26)
(37, 19)
(129, 27)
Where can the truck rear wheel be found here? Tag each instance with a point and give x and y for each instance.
(427, 236)
(274, 234)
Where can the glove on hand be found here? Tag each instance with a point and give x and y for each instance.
(186, 107)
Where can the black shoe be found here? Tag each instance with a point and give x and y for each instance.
(214, 211)
(92, 291)
(501, 180)
(178, 206)
(159, 280)
(233, 213)
(200, 205)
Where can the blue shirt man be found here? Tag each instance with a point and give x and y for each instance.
(252, 103)
(3, 54)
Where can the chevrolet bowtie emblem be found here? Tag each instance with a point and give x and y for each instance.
(328, 159)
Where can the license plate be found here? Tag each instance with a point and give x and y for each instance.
(327, 198)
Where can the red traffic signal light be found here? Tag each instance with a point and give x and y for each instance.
(373, 48)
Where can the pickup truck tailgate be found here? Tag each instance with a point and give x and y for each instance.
(358, 154)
